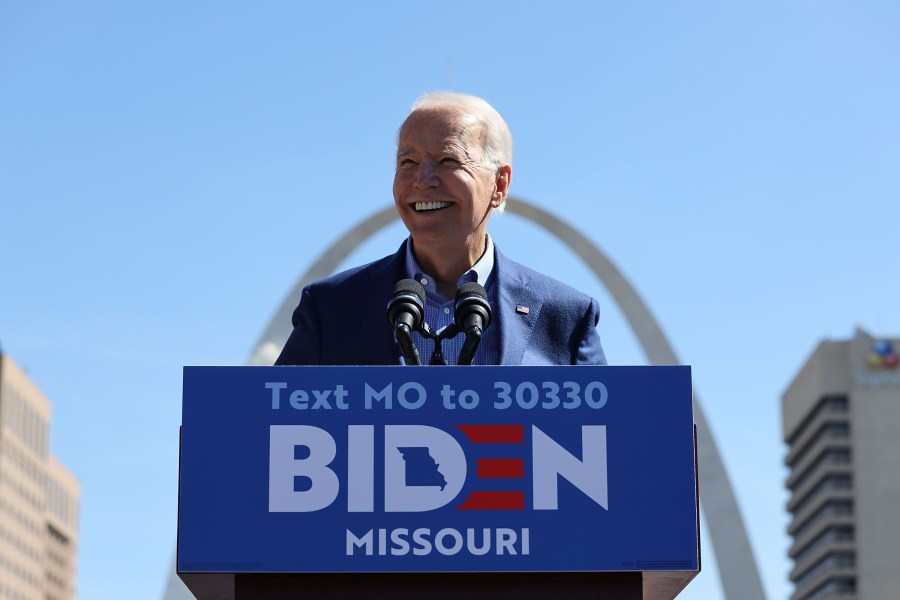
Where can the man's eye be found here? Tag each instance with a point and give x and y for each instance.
(407, 162)
(450, 162)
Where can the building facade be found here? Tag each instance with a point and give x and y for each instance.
(38, 497)
(841, 421)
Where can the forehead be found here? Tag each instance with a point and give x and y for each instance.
(439, 129)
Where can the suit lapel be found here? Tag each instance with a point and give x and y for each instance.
(517, 313)
(382, 279)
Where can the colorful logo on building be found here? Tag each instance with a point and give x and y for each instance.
(883, 356)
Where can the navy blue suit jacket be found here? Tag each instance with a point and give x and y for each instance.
(341, 319)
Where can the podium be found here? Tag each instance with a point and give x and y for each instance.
(446, 482)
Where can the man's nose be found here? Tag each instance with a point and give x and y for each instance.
(426, 175)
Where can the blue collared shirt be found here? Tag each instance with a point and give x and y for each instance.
(439, 310)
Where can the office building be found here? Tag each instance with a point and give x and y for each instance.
(841, 421)
(38, 497)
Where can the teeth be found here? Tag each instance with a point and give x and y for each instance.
(431, 205)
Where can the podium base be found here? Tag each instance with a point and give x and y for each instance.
(438, 586)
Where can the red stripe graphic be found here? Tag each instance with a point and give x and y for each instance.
(494, 501)
(501, 468)
(493, 434)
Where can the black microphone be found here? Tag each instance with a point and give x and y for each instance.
(405, 313)
(472, 314)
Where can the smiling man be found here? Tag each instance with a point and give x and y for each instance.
(454, 168)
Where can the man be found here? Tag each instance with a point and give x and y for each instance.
(454, 168)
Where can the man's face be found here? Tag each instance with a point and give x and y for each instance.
(442, 190)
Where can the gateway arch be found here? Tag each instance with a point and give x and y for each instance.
(738, 571)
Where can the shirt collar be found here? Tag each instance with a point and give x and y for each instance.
(479, 272)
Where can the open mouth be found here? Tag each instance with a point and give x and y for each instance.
(427, 206)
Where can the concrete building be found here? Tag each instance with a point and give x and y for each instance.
(841, 421)
(38, 497)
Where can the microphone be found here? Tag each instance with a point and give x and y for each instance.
(405, 313)
(472, 314)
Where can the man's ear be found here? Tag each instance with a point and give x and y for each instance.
(501, 182)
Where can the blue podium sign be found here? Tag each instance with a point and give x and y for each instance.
(447, 469)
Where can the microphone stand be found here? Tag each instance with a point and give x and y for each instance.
(437, 357)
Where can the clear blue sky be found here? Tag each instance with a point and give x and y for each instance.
(169, 169)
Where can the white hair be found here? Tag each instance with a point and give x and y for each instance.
(496, 144)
